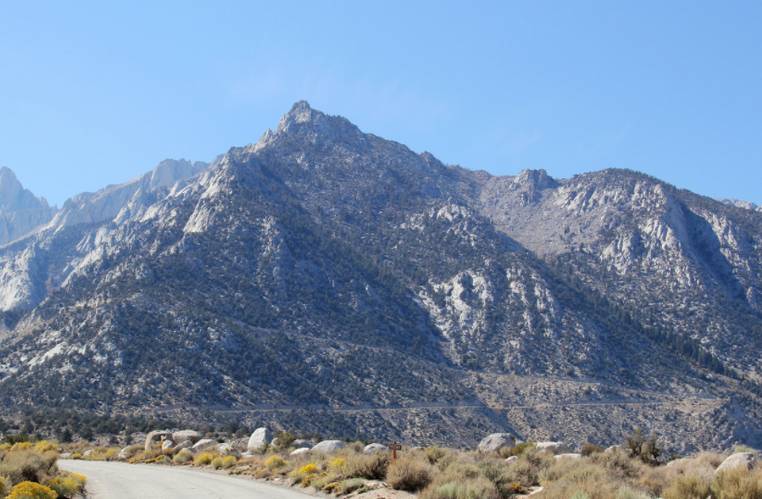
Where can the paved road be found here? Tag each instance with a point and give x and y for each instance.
(107, 480)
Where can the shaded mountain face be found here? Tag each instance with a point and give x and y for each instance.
(364, 289)
(20, 211)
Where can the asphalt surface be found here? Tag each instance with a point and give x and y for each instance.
(109, 480)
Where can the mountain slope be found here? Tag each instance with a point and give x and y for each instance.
(678, 261)
(355, 285)
(43, 260)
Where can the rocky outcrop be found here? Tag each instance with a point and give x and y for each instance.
(183, 435)
(204, 444)
(375, 448)
(497, 441)
(745, 460)
(554, 447)
(329, 446)
(259, 440)
(156, 436)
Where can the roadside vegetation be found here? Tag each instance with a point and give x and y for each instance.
(636, 469)
(28, 470)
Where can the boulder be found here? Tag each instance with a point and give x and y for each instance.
(300, 452)
(204, 444)
(375, 448)
(302, 442)
(739, 460)
(612, 448)
(182, 435)
(568, 455)
(511, 459)
(167, 444)
(329, 446)
(87, 453)
(185, 444)
(227, 449)
(259, 440)
(497, 441)
(554, 447)
(678, 462)
(128, 452)
(156, 436)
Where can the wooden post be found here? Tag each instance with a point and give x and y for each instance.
(394, 447)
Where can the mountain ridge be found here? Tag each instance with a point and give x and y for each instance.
(326, 268)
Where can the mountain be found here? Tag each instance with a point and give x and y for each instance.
(330, 281)
(20, 210)
(34, 266)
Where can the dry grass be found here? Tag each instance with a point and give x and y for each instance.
(409, 473)
(738, 484)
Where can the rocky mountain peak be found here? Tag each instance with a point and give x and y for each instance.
(13, 195)
(20, 210)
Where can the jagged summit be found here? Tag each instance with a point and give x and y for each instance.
(20, 210)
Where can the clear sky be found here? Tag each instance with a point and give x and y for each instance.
(92, 92)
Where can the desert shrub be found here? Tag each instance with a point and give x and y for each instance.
(67, 485)
(27, 465)
(410, 473)
(657, 479)
(642, 447)
(305, 473)
(516, 450)
(687, 487)
(45, 446)
(103, 454)
(217, 463)
(619, 464)
(370, 466)
(229, 461)
(184, 456)
(349, 486)
(274, 462)
(461, 480)
(525, 472)
(337, 464)
(738, 483)
(145, 456)
(131, 451)
(284, 439)
(626, 492)
(32, 490)
(578, 477)
(435, 454)
(3, 486)
(204, 458)
(589, 449)
(472, 488)
(18, 446)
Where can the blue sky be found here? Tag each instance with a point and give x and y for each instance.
(93, 93)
